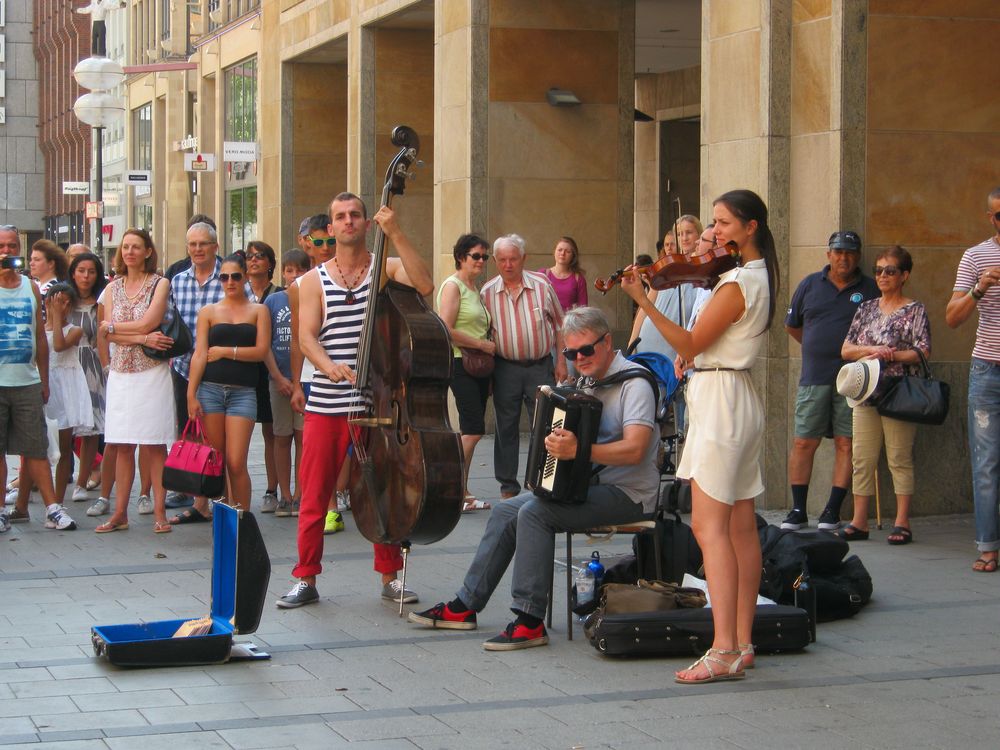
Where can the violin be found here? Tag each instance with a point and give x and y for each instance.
(674, 269)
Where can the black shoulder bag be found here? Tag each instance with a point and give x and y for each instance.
(914, 398)
(173, 326)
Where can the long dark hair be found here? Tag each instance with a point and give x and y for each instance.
(101, 281)
(268, 251)
(747, 206)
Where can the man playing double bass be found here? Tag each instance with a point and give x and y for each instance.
(332, 300)
(523, 529)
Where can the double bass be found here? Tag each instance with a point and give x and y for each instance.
(406, 477)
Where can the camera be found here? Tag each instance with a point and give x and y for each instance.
(14, 262)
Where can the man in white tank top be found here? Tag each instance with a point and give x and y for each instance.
(328, 298)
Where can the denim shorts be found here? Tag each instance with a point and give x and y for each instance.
(231, 400)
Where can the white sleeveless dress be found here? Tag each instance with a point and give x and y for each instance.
(726, 435)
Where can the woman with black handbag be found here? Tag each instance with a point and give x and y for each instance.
(891, 329)
(468, 323)
(139, 400)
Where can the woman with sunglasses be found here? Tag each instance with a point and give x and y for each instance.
(566, 276)
(891, 329)
(233, 337)
(722, 453)
(462, 311)
(261, 264)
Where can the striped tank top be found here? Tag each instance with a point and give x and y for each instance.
(338, 335)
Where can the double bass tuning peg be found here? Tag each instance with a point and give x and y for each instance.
(412, 175)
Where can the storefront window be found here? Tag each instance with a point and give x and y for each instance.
(240, 83)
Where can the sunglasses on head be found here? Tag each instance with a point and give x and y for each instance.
(587, 350)
(885, 270)
(319, 242)
(479, 256)
(224, 277)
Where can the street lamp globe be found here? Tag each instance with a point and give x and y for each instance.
(98, 73)
(99, 109)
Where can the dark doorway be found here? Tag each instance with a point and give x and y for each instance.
(680, 169)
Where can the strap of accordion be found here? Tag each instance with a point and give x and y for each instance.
(620, 377)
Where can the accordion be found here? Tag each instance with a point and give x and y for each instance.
(562, 481)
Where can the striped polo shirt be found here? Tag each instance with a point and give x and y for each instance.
(524, 325)
(974, 261)
(338, 335)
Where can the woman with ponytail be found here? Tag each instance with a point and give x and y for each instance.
(722, 453)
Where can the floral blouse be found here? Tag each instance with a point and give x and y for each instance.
(130, 357)
(903, 329)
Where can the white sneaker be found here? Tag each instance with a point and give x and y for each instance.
(11, 497)
(145, 505)
(4, 520)
(80, 494)
(270, 502)
(99, 508)
(57, 518)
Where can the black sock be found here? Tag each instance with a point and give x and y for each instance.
(523, 618)
(456, 605)
(800, 492)
(837, 495)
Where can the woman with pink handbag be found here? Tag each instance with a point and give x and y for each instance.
(139, 401)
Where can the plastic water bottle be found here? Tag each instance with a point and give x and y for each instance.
(595, 567)
(584, 586)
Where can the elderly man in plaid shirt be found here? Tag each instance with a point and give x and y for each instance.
(192, 290)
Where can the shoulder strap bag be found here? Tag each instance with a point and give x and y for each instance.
(173, 325)
(914, 398)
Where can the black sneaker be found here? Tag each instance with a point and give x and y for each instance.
(795, 520)
(517, 637)
(828, 520)
(440, 616)
(302, 593)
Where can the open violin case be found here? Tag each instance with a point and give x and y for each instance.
(241, 571)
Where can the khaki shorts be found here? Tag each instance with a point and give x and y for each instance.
(22, 422)
(285, 420)
(822, 412)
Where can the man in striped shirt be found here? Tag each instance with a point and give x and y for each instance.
(977, 287)
(526, 320)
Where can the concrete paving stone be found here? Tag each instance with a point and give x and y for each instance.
(973, 705)
(976, 685)
(59, 745)
(315, 734)
(323, 704)
(187, 740)
(397, 744)
(143, 731)
(55, 641)
(796, 739)
(386, 729)
(52, 705)
(499, 720)
(32, 674)
(131, 699)
(215, 693)
(394, 696)
(592, 735)
(353, 687)
(478, 740)
(667, 728)
(19, 740)
(197, 713)
(259, 673)
(69, 735)
(182, 680)
(702, 743)
(43, 689)
(16, 725)
(889, 733)
(87, 720)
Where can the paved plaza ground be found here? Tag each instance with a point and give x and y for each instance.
(918, 668)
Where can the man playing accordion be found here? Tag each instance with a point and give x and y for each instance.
(523, 528)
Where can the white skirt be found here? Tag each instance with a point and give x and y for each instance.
(69, 399)
(140, 407)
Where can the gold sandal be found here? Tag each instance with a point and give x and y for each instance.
(747, 655)
(733, 670)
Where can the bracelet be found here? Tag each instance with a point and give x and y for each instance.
(145, 339)
(234, 352)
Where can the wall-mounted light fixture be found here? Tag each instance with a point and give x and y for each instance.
(562, 98)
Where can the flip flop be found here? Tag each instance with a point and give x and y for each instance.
(108, 526)
(985, 565)
(191, 515)
(901, 531)
(473, 504)
(852, 533)
(162, 527)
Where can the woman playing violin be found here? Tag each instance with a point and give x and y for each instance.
(722, 453)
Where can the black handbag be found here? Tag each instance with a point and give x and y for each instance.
(173, 325)
(914, 398)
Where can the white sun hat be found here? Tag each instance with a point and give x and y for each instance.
(857, 380)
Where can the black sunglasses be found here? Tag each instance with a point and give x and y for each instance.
(587, 350)
(329, 241)
(224, 277)
(887, 270)
(478, 256)
(256, 256)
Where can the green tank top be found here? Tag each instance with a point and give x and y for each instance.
(472, 317)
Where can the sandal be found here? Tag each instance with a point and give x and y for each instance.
(733, 670)
(747, 655)
(852, 533)
(903, 534)
(108, 526)
(162, 527)
(191, 515)
(985, 565)
(473, 503)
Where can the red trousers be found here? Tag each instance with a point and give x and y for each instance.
(325, 440)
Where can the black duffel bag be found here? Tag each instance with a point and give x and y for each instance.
(843, 592)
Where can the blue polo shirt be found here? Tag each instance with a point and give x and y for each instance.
(824, 313)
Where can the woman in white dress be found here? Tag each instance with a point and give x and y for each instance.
(139, 398)
(722, 453)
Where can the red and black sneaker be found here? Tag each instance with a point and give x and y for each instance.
(517, 636)
(440, 616)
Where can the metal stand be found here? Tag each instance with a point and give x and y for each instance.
(404, 547)
(878, 505)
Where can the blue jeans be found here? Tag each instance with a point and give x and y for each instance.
(523, 529)
(984, 450)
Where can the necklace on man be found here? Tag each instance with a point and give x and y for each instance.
(349, 298)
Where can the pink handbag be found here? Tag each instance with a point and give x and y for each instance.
(192, 466)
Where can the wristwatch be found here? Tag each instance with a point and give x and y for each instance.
(111, 327)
